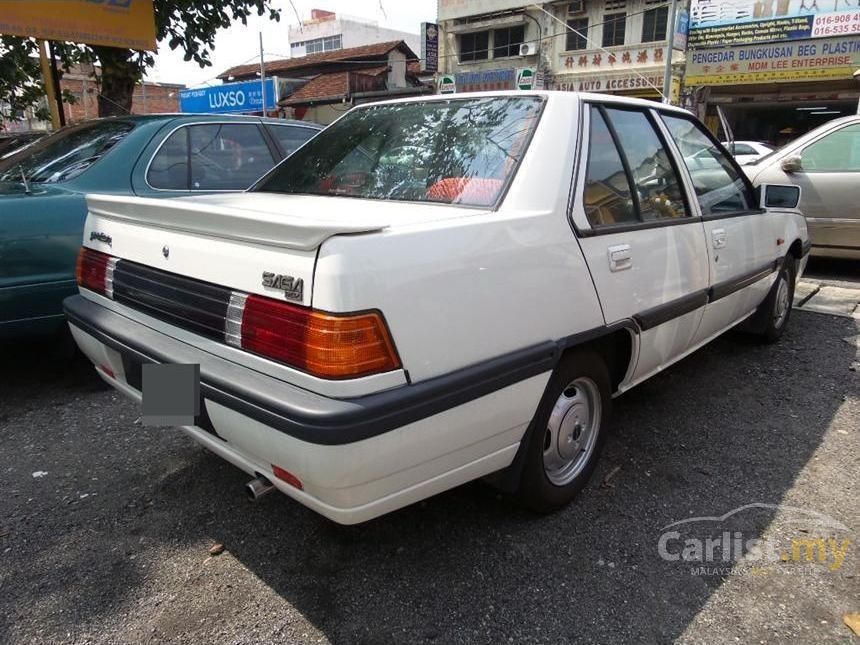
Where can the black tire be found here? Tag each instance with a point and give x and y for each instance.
(537, 490)
(774, 324)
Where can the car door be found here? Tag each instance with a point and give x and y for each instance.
(742, 244)
(644, 248)
(829, 178)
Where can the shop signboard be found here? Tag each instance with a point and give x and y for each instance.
(129, 24)
(646, 83)
(733, 22)
(682, 30)
(235, 98)
(486, 80)
(447, 84)
(429, 47)
(525, 78)
(824, 59)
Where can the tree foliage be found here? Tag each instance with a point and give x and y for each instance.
(187, 25)
(21, 85)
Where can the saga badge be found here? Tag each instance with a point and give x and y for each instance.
(293, 288)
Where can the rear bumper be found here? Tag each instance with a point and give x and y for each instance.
(357, 458)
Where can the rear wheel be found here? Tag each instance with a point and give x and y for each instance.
(567, 432)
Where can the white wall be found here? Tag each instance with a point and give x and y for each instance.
(355, 33)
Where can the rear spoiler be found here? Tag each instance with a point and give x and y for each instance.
(239, 223)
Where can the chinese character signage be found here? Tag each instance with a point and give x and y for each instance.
(729, 22)
(825, 59)
(129, 24)
(229, 98)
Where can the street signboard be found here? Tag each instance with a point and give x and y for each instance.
(825, 59)
(447, 84)
(429, 47)
(525, 78)
(715, 23)
(235, 98)
(128, 24)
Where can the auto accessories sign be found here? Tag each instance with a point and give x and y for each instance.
(734, 22)
(832, 58)
(128, 24)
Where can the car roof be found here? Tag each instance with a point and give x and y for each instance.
(175, 116)
(555, 95)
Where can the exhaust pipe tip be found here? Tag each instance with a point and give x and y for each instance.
(258, 487)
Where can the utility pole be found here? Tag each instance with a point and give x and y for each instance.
(50, 89)
(667, 73)
(262, 74)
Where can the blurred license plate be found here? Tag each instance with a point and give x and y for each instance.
(171, 394)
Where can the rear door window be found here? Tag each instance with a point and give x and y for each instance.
(608, 196)
(291, 137)
(228, 156)
(169, 167)
(719, 186)
(630, 176)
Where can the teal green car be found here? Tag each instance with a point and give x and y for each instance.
(43, 189)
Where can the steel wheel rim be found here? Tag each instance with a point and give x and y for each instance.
(782, 304)
(571, 431)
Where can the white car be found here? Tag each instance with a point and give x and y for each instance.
(746, 152)
(432, 291)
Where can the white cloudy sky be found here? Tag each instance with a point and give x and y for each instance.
(238, 44)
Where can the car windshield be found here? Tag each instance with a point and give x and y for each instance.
(65, 154)
(459, 151)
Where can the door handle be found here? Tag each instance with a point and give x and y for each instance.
(620, 258)
(718, 237)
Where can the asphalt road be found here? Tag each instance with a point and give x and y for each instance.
(106, 525)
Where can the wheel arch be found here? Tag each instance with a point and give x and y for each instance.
(616, 345)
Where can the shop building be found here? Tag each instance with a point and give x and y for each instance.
(777, 69)
(326, 31)
(321, 87)
(611, 46)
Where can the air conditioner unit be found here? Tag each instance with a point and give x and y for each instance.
(528, 49)
(578, 6)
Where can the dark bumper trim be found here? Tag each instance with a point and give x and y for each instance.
(297, 412)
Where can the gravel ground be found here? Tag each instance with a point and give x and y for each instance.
(106, 526)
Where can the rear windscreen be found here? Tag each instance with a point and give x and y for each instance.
(461, 151)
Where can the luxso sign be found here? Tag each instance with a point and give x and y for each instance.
(229, 98)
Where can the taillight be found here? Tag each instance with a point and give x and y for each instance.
(94, 271)
(327, 345)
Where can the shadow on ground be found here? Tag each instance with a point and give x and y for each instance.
(733, 424)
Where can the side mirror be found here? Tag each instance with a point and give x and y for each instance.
(792, 164)
(778, 196)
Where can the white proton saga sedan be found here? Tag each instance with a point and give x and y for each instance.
(436, 290)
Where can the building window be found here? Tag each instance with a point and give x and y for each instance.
(654, 24)
(506, 42)
(475, 46)
(318, 45)
(577, 40)
(614, 26)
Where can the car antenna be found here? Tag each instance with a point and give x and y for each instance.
(27, 190)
